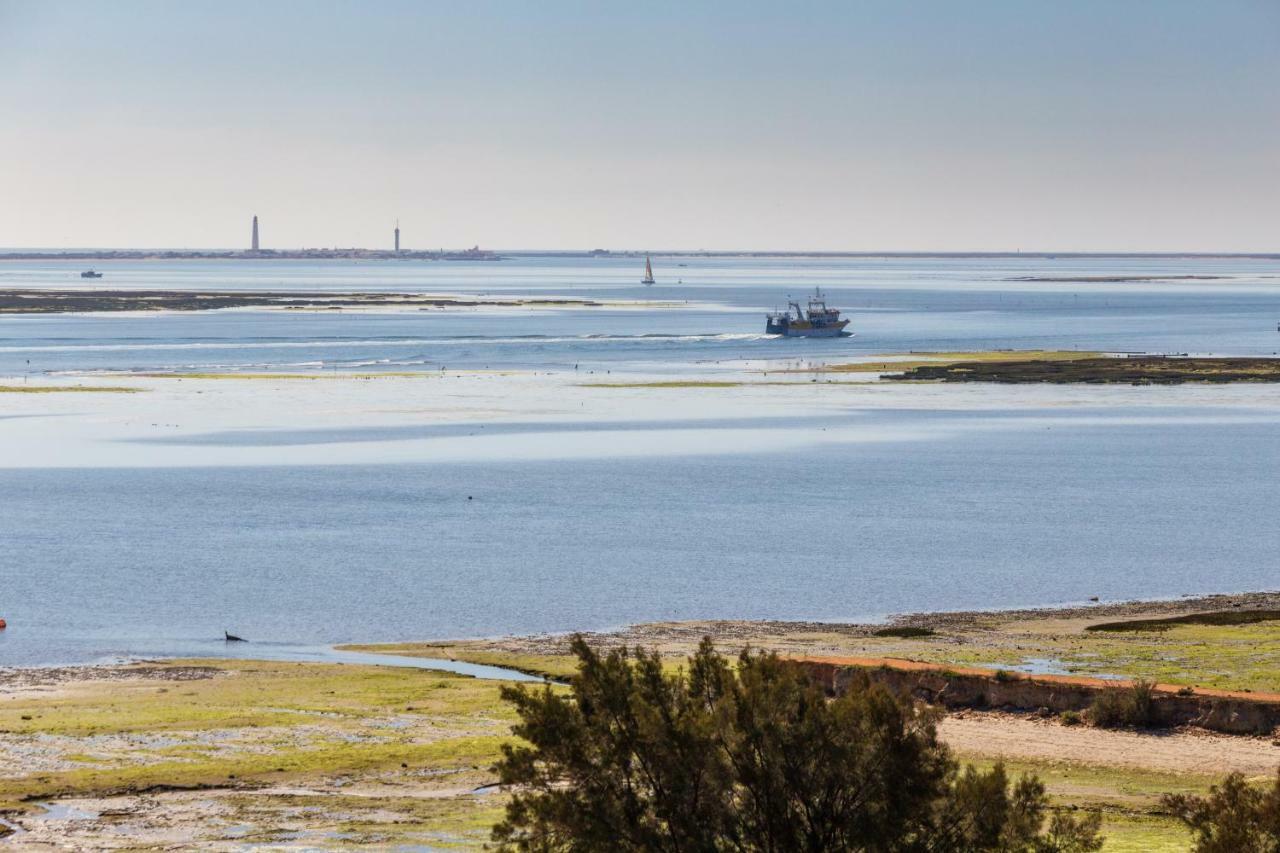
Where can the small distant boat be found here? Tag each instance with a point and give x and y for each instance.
(818, 321)
(648, 273)
(90, 274)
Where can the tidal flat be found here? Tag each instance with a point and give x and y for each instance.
(221, 753)
(52, 301)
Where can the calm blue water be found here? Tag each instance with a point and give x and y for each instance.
(159, 561)
(1000, 508)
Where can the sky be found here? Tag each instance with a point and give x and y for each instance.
(919, 125)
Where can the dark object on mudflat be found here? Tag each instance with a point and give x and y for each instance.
(905, 631)
(1135, 370)
(232, 638)
(90, 274)
(1215, 617)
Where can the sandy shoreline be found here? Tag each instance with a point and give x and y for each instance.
(728, 632)
(675, 637)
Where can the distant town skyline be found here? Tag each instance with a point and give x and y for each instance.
(995, 125)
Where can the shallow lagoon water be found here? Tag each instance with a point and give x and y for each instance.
(151, 561)
(125, 537)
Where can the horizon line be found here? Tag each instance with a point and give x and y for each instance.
(14, 252)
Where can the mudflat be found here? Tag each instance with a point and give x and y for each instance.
(42, 301)
(227, 753)
(1132, 370)
(220, 754)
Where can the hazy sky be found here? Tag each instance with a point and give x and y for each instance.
(948, 125)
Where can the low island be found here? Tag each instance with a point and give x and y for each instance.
(1103, 370)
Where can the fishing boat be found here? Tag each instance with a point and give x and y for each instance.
(648, 273)
(818, 321)
(90, 274)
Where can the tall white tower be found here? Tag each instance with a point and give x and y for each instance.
(255, 233)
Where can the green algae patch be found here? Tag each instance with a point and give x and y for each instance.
(68, 389)
(1132, 370)
(276, 766)
(1143, 833)
(1218, 617)
(927, 359)
(1227, 657)
(459, 822)
(1101, 786)
(796, 383)
(1134, 821)
(243, 694)
(400, 374)
(673, 384)
(251, 723)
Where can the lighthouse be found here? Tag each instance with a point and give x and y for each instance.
(397, 236)
(255, 234)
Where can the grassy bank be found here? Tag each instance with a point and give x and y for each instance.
(1223, 642)
(258, 740)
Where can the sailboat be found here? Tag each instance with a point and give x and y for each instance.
(648, 273)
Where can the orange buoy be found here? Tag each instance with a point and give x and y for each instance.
(3, 624)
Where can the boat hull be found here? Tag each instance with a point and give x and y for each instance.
(796, 330)
(827, 332)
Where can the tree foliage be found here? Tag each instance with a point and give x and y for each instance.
(1235, 816)
(752, 757)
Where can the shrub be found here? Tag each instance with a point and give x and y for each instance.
(751, 757)
(1234, 817)
(1070, 718)
(1125, 706)
(1005, 675)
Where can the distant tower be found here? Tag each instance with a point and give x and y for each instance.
(255, 233)
(397, 236)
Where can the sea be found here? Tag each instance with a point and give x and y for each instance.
(663, 503)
